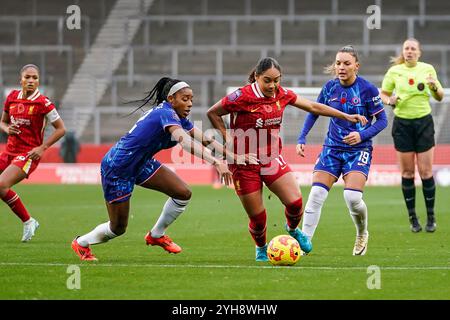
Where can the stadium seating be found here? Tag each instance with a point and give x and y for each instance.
(214, 44)
(26, 28)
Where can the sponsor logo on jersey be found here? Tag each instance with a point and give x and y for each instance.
(268, 122)
(272, 121)
(259, 123)
(254, 109)
(20, 121)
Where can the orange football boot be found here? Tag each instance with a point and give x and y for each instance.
(164, 242)
(84, 253)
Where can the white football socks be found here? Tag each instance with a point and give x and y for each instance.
(313, 209)
(102, 233)
(358, 210)
(171, 211)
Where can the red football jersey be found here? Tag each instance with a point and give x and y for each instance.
(30, 115)
(255, 120)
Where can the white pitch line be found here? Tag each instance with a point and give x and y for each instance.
(107, 265)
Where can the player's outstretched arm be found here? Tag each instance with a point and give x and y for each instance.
(307, 126)
(199, 136)
(324, 110)
(380, 124)
(60, 131)
(220, 149)
(198, 150)
(215, 114)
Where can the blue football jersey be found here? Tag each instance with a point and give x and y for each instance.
(147, 137)
(362, 98)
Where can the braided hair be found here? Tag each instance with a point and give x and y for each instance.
(157, 94)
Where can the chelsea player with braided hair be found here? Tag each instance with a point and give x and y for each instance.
(347, 149)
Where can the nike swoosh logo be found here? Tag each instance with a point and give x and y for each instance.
(334, 99)
(428, 199)
(255, 109)
(409, 199)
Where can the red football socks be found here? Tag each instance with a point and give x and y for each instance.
(13, 201)
(294, 213)
(257, 228)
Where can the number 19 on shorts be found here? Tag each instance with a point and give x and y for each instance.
(364, 157)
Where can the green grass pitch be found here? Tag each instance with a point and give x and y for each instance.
(217, 261)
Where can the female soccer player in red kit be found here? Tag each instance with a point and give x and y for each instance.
(256, 115)
(25, 114)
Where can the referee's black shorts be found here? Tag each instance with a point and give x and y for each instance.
(413, 135)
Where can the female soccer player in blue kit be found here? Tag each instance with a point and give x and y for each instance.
(347, 149)
(130, 162)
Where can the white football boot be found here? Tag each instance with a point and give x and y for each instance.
(360, 247)
(29, 228)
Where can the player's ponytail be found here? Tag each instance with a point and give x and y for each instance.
(263, 65)
(158, 93)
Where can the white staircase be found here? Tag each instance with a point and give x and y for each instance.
(105, 55)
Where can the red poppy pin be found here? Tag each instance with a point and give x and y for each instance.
(411, 82)
(343, 100)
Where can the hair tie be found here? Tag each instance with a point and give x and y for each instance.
(177, 86)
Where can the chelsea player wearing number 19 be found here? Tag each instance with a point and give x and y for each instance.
(347, 149)
(130, 162)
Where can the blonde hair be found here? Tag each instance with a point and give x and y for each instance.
(330, 69)
(400, 59)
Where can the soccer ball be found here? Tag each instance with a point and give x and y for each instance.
(283, 250)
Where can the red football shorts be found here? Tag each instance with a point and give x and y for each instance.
(250, 178)
(21, 161)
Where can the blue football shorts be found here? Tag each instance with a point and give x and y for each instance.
(117, 187)
(338, 161)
